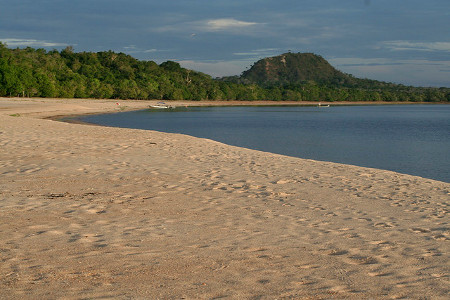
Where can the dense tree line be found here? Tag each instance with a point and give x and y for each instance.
(39, 73)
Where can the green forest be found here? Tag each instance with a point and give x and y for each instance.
(33, 72)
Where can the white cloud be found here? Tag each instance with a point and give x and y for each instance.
(416, 46)
(133, 49)
(259, 52)
(153, 50)
(226, 24)
(12, 42)
(211, 25)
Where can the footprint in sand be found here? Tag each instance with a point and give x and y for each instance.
(380, 274)
(362, 260)
(384, 225)
(420, 230)
(337, 252)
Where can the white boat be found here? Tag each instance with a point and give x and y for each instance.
(320, 105)
(162, 105)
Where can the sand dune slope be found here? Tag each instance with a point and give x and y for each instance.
(97, 212)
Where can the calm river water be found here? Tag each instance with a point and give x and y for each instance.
(411, 139)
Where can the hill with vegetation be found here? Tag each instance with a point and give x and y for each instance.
(297, 77)
(307, 76)
(290, 68)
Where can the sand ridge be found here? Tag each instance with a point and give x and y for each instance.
(98, 212)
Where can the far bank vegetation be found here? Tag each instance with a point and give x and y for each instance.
(33, 72)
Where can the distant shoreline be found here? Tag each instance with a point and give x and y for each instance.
(127, 105)
(76, 118)
(67, 113)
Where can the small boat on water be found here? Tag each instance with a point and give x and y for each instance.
(320, 105)
(162, 105)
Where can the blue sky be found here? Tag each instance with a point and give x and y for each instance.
(401, 41)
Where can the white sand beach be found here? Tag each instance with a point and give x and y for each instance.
(89, 212)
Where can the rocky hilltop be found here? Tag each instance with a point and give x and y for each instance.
(294, 68)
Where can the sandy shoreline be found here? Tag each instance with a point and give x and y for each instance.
(99, 212)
